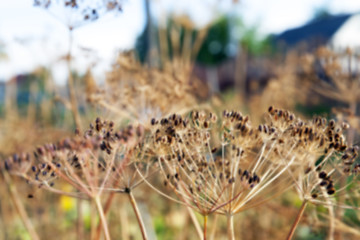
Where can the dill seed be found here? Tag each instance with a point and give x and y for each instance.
(331, 191)
(322, 174)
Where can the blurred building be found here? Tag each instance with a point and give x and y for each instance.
(335, 31)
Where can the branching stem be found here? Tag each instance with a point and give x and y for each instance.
(297, 220)
(102, 217)
(138, 215)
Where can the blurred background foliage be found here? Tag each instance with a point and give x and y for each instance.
(235, 66)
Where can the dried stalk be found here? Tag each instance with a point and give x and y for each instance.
(138, 215)
(102, 217)
(79, 224)
(106, 210)
(71, 87)
(297, 220)
(205, 225)
(19, 206)
(230, 227)
(195, 222)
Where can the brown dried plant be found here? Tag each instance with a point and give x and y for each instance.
(222, 169)
(74, 14)
(98, 162)
(19, 133)
(223, 166)
(323, 159)
(136, 93)
(335, 75)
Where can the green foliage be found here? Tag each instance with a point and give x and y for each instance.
(142, 45)
(351, 218)
(219, 44)
(316, 109)
(214, 48)
(161, 228)
(256, 45)
(306, 233)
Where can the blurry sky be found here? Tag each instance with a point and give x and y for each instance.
(31, 36)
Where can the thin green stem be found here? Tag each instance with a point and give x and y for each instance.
(297, 220)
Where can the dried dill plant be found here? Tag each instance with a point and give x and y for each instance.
(92, 164)
(74, 14)
(323, 158)
(334, 75)
(135, 92)
(17, 163)
(222, 169)
(337, 79)
(283, 84)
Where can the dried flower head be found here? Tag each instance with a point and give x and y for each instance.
(215, 168)
(78, 12)
(322, 156)
(98, 161)
(136, 93)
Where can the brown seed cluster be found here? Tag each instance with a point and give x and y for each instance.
(18, 163)
(217, 164)
(321, 153)
(96, 161)
(212, 164)
(122, 97)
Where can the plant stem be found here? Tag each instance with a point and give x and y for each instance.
(138, 215)
(71, 87)
(79, 223)
(230, 227)
(214, 224)
(106, 210)
(205, 225)
(93, 224)
(195, 222)
(102, 217)
(19, 206)
(297, 220)
(124, 222)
